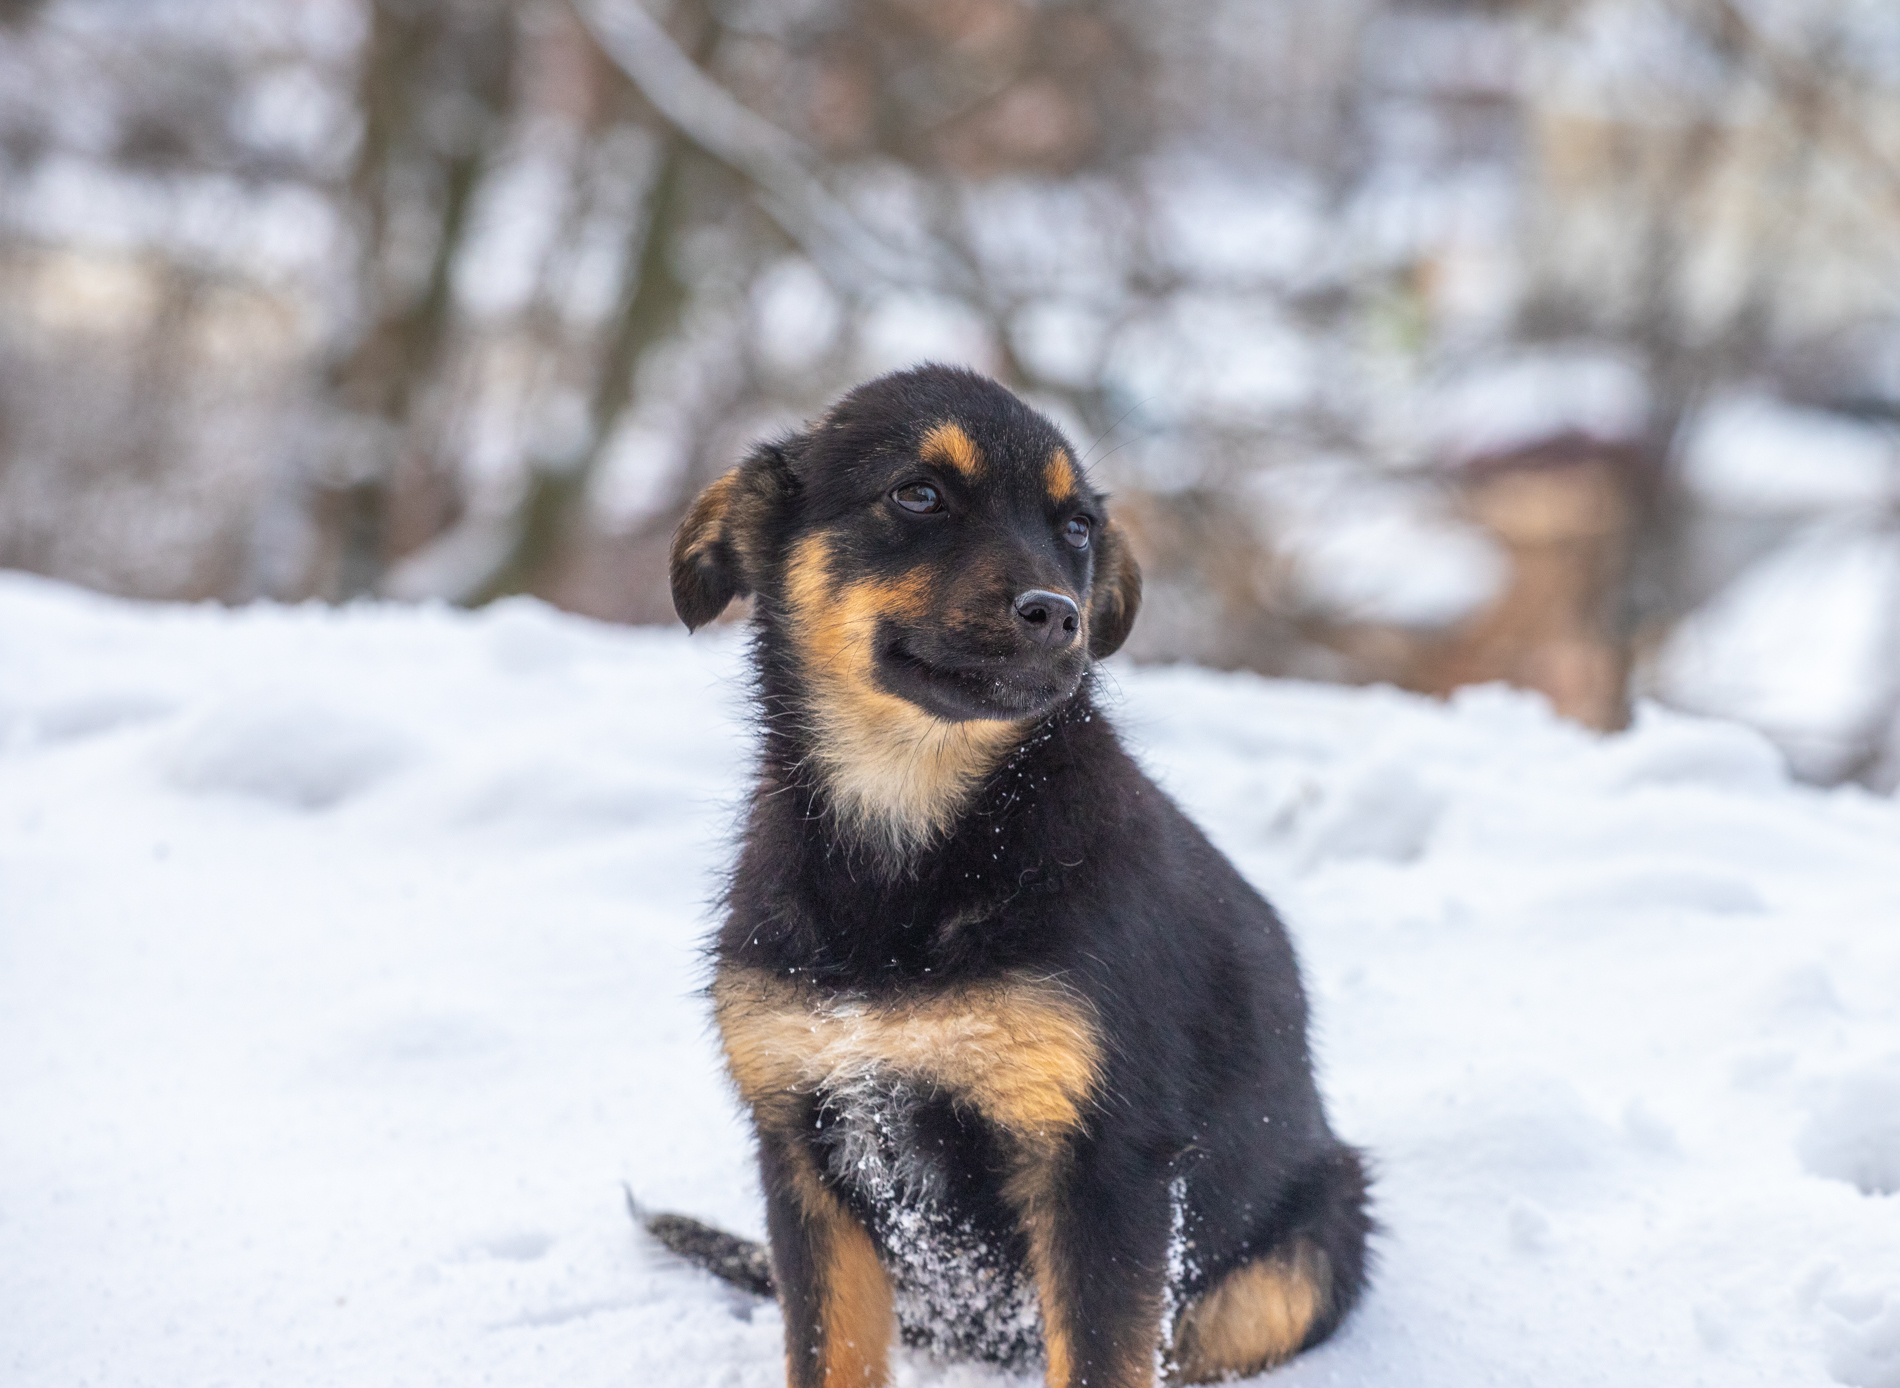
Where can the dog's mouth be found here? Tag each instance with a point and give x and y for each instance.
(962, 688)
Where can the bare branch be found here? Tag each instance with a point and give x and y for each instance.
(1809, 88)
(776, 163)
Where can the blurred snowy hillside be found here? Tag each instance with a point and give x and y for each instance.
(1430, 341)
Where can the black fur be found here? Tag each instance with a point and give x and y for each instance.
(1066, 862)
(739, 1261)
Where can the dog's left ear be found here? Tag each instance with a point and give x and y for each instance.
(720, 549)
(1115, 596)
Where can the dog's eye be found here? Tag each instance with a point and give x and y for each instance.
(920, 497)
(1076, 532)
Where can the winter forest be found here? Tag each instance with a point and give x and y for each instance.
(1430, 343)
(1502, 398)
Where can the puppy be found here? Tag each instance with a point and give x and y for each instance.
(1026, 1056)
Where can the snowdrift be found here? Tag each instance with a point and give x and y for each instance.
(348, 967)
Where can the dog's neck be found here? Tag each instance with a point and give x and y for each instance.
(899, 779)
(888, 777)
(834, 894)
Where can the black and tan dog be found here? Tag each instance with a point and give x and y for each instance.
(1026, 1056)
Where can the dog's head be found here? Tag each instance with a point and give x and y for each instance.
(936, 561)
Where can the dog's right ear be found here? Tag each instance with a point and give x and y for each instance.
(719, 551)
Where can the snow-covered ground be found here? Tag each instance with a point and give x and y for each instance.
(348, 967)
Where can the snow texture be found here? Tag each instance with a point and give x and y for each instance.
(1530, 398)
(1747, 453)
(1805, 644)
(348, 966)
(1379, 549)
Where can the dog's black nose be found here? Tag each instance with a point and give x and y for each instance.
(1049, 619)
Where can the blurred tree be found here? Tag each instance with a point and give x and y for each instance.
(20, 12)
(461, 298)
(1714, 189)
(435, 96)
(647, 309)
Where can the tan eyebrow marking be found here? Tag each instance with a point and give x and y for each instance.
(948, 442)
(1058, 476)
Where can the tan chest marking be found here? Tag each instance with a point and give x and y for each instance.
(896, 774)
(1025, 1052)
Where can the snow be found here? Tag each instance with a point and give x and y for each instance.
(1220, 357)
(1373, 547)
(797, 314)
(1803, 644)
(1500, 405)
(904, 327)
(348, 966)
(1747, 453)
(1237, 226)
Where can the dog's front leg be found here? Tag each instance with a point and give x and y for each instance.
(833, 1291)
(1097, 1225)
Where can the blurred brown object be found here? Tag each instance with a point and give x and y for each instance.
(1563, 509)
(1213, 591)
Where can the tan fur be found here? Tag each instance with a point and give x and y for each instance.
(1032, 1190)
(1058, 476)
(703, 524)
(1058, 1351)
(1117, 578)
(898, 775)
(717, 552)
(1024, 1052)
(947, 443)
(855, 1293)
(859, 1322)
(1255, 1317)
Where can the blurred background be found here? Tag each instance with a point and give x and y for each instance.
(1420, 341)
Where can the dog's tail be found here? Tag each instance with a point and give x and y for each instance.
(739, 1261)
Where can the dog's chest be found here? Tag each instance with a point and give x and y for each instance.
(919, 1109)
(1025, 1054)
